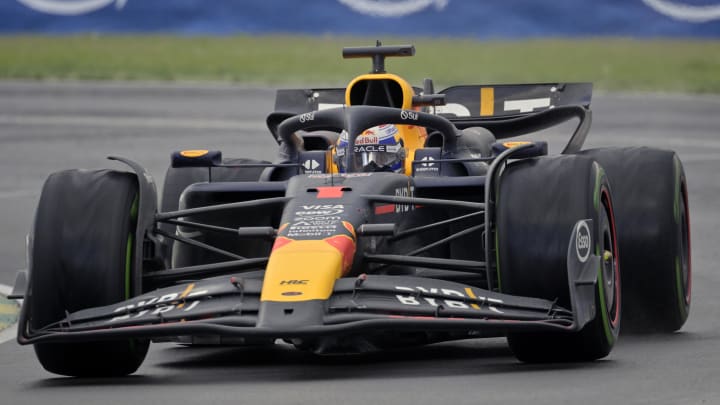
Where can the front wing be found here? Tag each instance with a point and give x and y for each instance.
(231, 306)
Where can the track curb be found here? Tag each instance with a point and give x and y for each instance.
(9, 310)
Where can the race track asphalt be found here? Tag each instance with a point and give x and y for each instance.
(46, 127)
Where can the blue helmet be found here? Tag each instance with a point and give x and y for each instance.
(377, 149)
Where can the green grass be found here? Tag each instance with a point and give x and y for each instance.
(612, 64)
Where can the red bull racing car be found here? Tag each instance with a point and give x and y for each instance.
(394, 215)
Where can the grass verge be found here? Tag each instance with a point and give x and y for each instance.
(689, 66)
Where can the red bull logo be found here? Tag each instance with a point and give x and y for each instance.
(367, 140)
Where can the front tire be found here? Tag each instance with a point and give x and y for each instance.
(654, 235)
(82, 257)
(539, 202)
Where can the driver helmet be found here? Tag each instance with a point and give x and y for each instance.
(377, 149)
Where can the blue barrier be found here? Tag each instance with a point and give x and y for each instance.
(485, 19)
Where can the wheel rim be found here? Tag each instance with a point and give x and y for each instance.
(610, 262)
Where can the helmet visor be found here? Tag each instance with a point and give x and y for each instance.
(383, 156)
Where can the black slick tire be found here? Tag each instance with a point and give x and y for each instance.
(82, 253)
(651, 207)
(539, 201)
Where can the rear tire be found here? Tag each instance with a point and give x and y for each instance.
(82, 257)
(654, 235)
(539, 201)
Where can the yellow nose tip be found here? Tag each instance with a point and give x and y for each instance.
(302, 270)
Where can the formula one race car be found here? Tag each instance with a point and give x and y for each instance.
(394, 216)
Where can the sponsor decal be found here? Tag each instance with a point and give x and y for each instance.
(159, 305)
(404, 192)
(318, 220)
(345, 175)
(377, 148)
(428, 162)
(408, 115)
(370, 148)
(412, 298)
(294, 282)
(583, 242)
(455, 109)
(367, 139)
(393, 8)
(307, 117)
(311, 166)
(527, 105)
(320, 210)
(428, 165)
(72, 7)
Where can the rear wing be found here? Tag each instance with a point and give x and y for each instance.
(478, 101)
(508, 110)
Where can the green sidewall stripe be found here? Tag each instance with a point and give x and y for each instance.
(129, 246)
(129, 255)
(676, 213)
